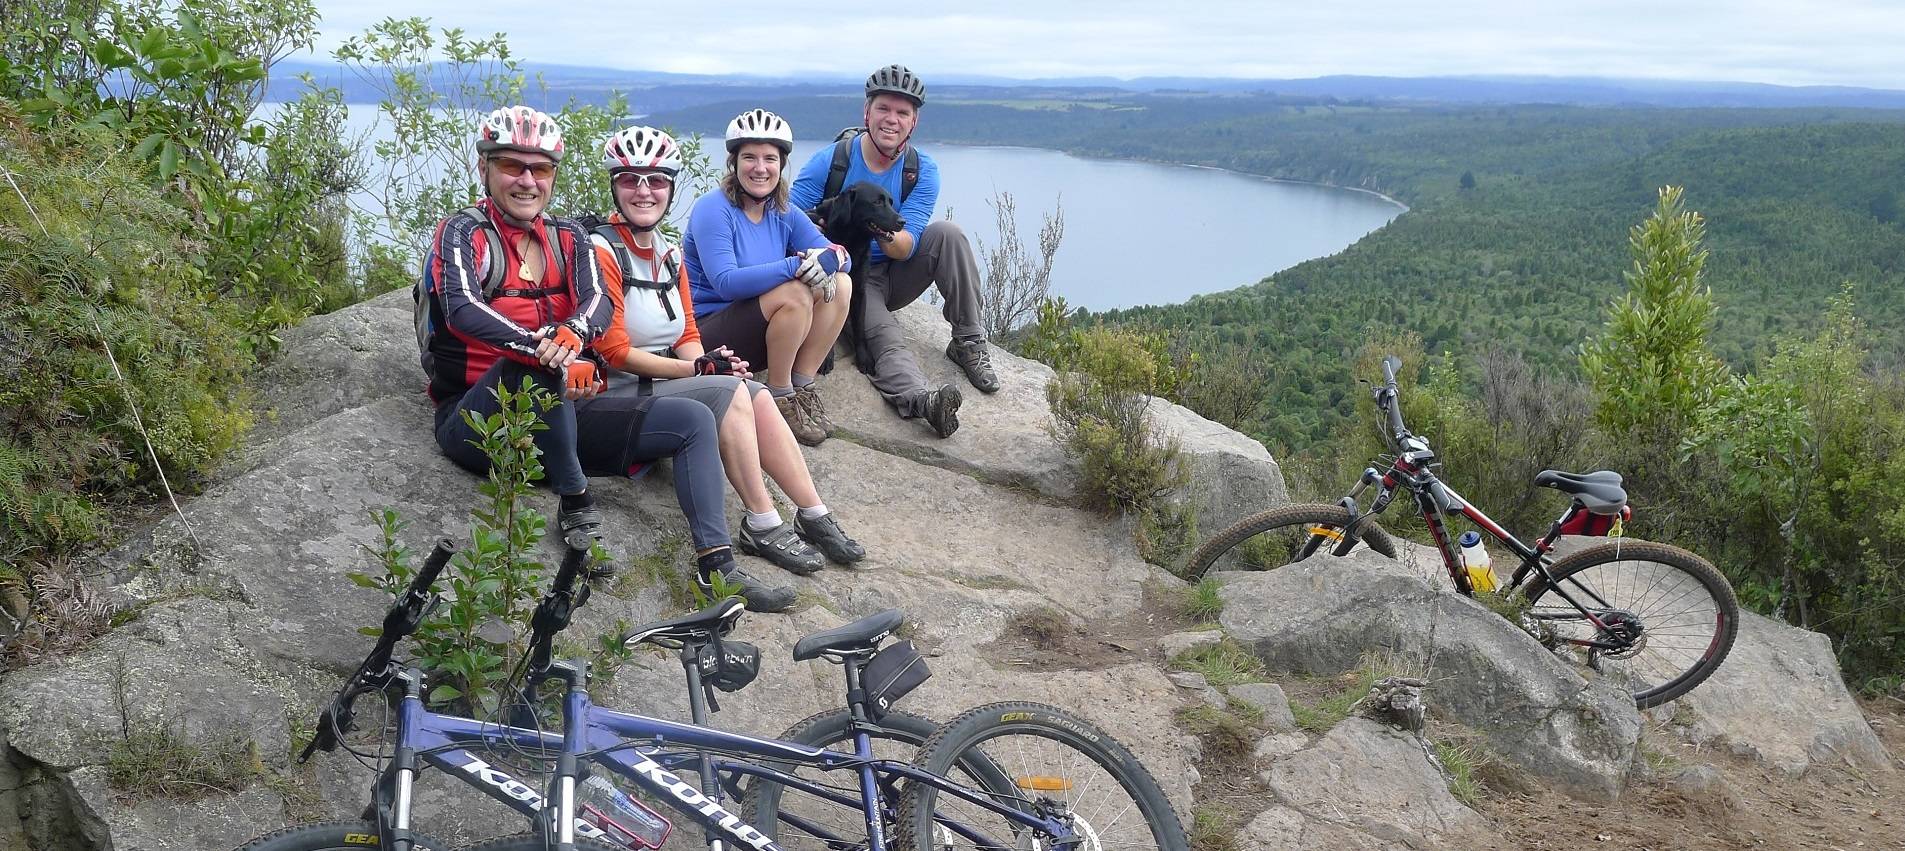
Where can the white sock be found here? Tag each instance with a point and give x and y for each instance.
(802, 380)
(763, 521)
(815, 511)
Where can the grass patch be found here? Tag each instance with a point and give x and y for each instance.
(660, 568)
(1214, 828)
(1511, 605)
(1203, 602)
(160, 761)
(1319, 715)
(1225, 663)
(1461, 762)
(1226, 732)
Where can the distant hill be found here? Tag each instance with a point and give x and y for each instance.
(658, 90)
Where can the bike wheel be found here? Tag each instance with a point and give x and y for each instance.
(534, 842)
(333, 836)
(1284, 535)
(797, 820)
(1058, 766)
(1674, 614)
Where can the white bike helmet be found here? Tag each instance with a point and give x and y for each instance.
(642, 147)
(897, 80)
(520, 128)
(759, 125)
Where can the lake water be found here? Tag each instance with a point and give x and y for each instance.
(1135, 233)
(1143, 233)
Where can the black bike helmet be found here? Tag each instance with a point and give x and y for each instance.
(899, 81)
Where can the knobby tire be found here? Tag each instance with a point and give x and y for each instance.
(1287, 523)
(333, 836)
(1001, 734)
(1688, 612)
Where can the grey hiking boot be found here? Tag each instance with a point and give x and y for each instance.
(783, 546)
(824, 533)
(976, 361)
(760, 596)
(940, 408)
(802, 425)
(807, 401)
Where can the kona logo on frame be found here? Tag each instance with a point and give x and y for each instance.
(702, 804)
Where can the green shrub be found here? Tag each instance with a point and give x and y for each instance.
(493, 581)
(1100, 409)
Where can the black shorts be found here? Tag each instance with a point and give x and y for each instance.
(741, 327)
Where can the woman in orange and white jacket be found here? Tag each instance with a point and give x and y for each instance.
(653, 338)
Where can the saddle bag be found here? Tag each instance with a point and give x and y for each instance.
(890, 675)
(729, 665)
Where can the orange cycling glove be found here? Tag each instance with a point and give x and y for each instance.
(566, 337)
(581, 379)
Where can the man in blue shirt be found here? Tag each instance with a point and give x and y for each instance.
(902, 264)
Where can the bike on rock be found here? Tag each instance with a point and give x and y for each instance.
(1659, 618)
(1007, 776)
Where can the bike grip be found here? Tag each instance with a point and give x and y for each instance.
(1389, 366)
(572, 563)
(433, 566)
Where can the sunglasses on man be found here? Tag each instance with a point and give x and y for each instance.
(512, 167)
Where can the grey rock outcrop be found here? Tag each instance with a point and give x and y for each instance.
(1364, 785)
(246, 631)
(1231, 475)
(1778, 698)
(1321, 615)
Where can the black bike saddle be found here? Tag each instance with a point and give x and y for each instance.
(695, 628)
(1600, 490)
(863, 634)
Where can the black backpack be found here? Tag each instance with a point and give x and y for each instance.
(424, 305)
(842, 160)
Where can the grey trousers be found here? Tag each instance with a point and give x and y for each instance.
(943, 256)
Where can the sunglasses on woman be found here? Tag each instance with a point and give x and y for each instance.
(512, 167)
(637, 180)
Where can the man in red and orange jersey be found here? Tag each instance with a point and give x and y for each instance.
(515, 294)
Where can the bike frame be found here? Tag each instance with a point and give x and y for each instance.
(1411, 471)
(644, 749)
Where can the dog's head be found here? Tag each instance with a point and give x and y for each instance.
(859, 211)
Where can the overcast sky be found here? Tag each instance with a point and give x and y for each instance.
(1788, 42)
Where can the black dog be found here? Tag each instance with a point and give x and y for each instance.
(850, 218)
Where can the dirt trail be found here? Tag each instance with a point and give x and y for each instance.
(1752, 807)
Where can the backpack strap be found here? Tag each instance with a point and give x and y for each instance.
(837, 172)
(909, 173)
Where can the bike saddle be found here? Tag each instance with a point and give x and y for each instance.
(1600, 490)
(696, 628)
(861, 635)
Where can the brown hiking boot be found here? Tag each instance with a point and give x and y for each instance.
(807, 399)
(803, 426)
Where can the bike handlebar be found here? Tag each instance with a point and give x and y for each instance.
(552, 614)
(405, 615)
(1386, 399)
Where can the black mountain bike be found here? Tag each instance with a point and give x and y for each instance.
(1657, 617)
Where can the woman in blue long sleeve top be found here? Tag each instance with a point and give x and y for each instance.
(765, 282)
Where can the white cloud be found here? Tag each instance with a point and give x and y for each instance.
(1849, 42)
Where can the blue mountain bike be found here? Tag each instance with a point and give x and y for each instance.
(1006, 776)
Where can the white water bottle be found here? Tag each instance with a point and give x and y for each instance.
(1481, 572)
(624, 821)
